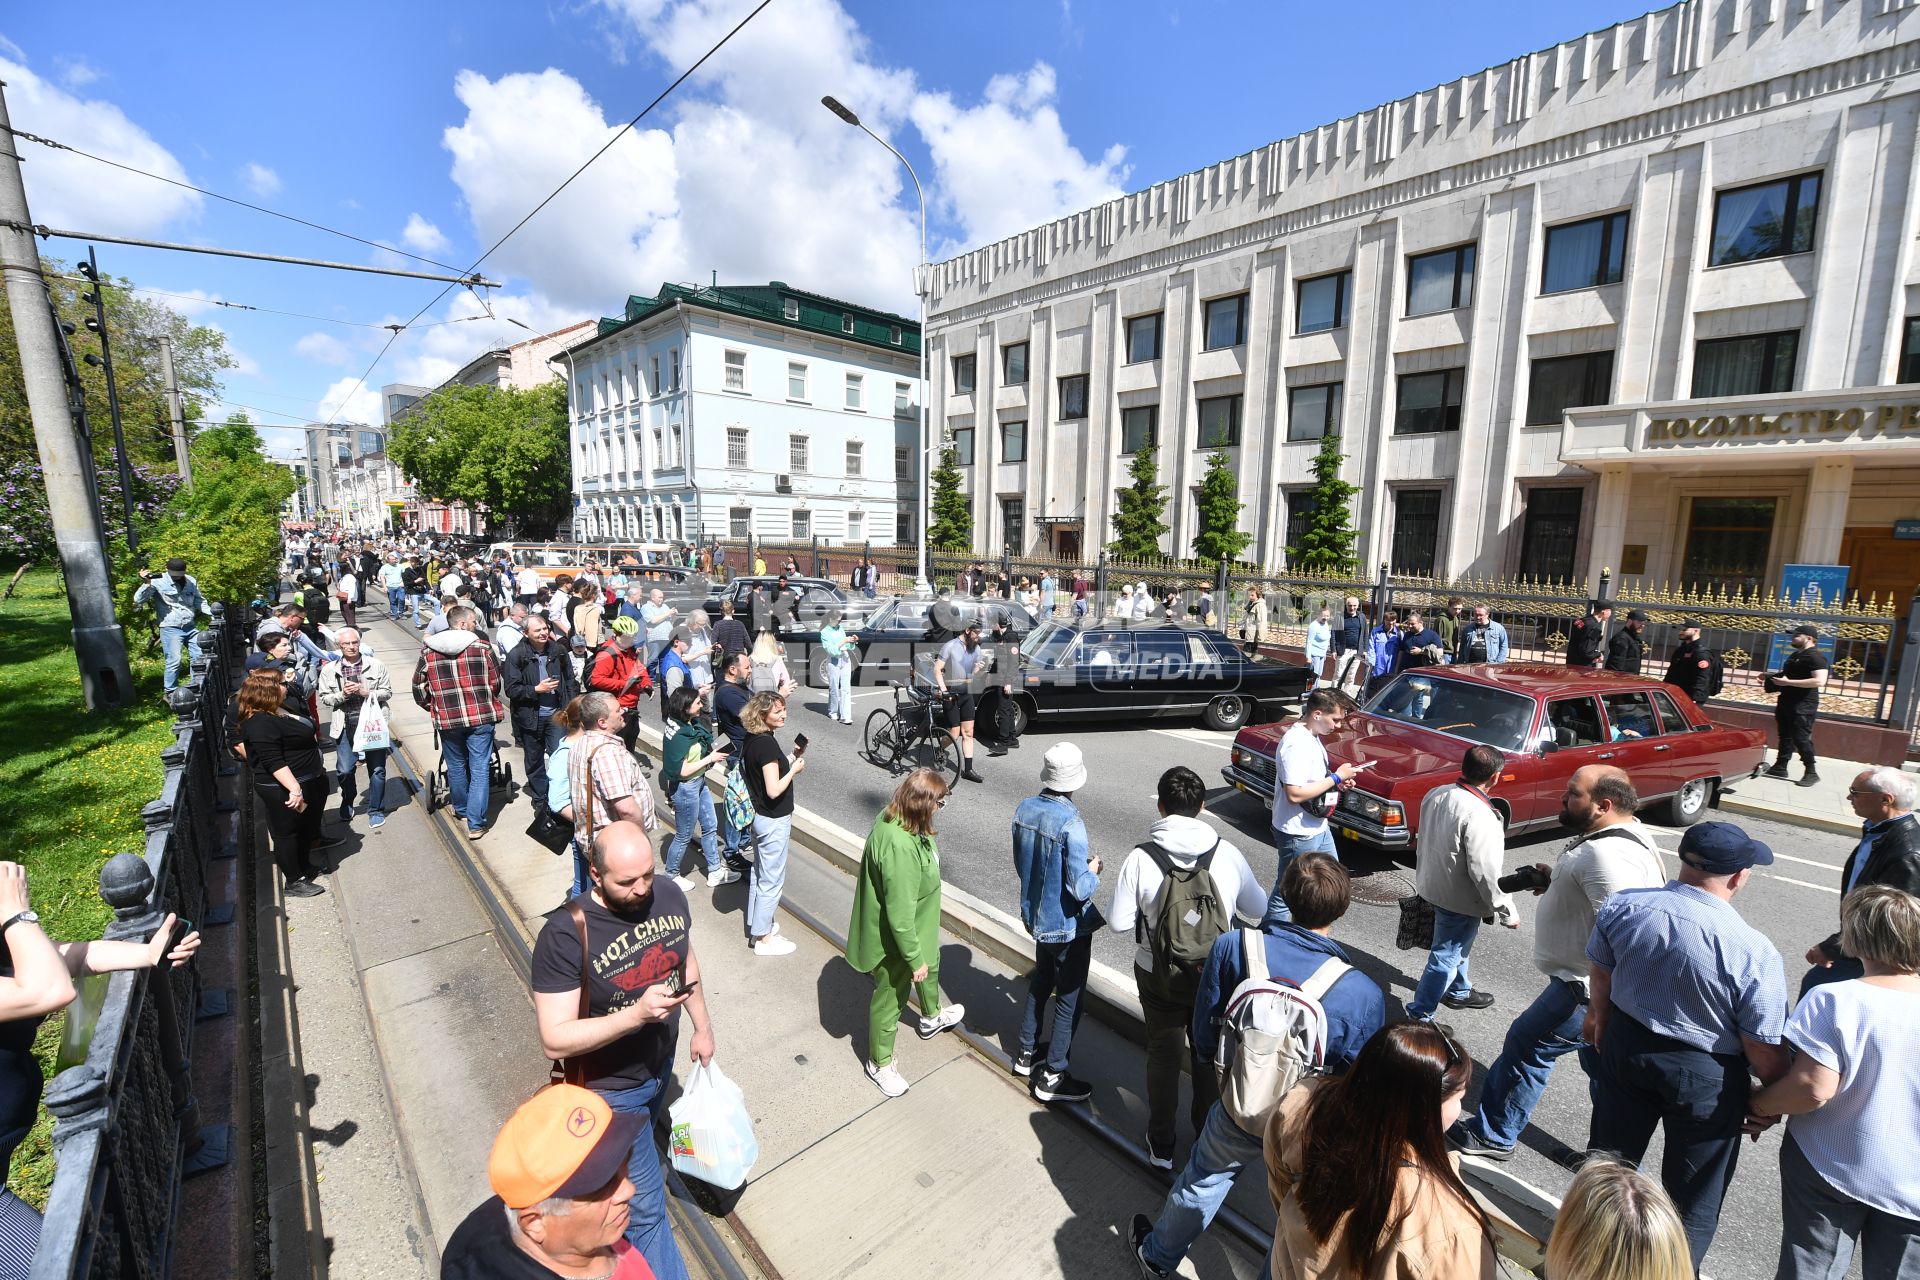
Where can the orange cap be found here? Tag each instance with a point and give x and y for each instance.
(563, 1141)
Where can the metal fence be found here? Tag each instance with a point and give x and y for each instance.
(125, 1123)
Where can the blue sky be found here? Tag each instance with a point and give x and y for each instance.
(435, 127)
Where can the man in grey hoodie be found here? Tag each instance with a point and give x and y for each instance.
(1178, 846)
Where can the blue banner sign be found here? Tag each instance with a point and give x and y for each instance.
(1821, 586)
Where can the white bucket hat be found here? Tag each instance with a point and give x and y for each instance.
(1062, 768)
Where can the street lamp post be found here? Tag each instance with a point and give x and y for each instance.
(921, 283)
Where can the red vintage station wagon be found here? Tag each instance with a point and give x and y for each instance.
(1549, 720)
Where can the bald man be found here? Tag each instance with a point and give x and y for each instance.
(1613, 852)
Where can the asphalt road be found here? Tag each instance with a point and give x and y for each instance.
(1795, 902)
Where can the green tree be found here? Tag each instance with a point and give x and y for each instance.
(1327, 545)
(499, 448)
(1139, 522)
(952, 527)
(1220, 536)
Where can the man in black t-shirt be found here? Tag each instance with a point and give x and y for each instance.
(1798, 682)
(639, 971)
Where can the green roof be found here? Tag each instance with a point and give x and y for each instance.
(767, 303)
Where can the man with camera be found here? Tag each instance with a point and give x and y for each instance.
(1457, 869)
(177, 601)
(1613, 852)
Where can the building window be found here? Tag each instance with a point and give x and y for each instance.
(1299, 505)
(856, 526)
(902, 463)
(1748, 366)
(736, 371)
(1729, 541)
(1143, 338)
(1313, 412)
(1567, 382)
(1581, 255)
(855, 460)
(790, 308)
(1013, 364)
(673, 366)
(846, 322)
(673, 437)
(1416, 531)
(856, 393)
(737, 448)
(903, 532)
(659, 450)
(1220, 422)
(1073, 397)
(1226, 322)
(1768, 220)
(893, 335)
(658, 386)
(797, 454)
(963, 446)
(1551, 534)
(1440, 281)
(796, 380)
(802, 524)
(1139, 427)
(963, 375)
(1013, 442)
(1909, 370)
(903, 399)
(1429, 402)
(1321, 303)
(1013, 522)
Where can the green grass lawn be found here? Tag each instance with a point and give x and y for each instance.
(72, 784)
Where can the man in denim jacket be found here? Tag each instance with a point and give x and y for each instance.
(1058, 879)
(178, 604)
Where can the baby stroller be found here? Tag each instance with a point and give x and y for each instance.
(440, 792)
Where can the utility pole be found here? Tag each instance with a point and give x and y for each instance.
(101, 646)
(174, 411)
(99, 325)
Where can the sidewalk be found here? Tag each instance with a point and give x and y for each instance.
(1822, 806)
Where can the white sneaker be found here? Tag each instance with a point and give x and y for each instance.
(891, 1082)
(686, 883)
(946, 1020)
(721, 875)
(774, 945)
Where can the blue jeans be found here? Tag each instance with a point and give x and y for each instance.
(647, 1227)
(582, 879)
(468, 753)
(1546, 1031)
(346, 761)
(1059, 973)
(770, 837)
(1221, 1151)
(693, 807)
(839, 676)
(396, 601)
(1291, 847)
(417, 601)
(172, 640)
(1446, 971)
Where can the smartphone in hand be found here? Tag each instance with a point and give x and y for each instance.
(800, 745)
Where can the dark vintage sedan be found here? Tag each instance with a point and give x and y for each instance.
(1548, 720)
(1132, 671)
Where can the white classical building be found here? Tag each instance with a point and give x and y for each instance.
(724, 411)
(1503, 293)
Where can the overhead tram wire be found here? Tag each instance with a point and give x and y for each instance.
(608, 146)
(270, 311)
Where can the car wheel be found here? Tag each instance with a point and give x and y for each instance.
(1020, 717)
(817, 670)
(1230, 711)
(1690, 803)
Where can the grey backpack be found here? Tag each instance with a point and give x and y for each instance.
(1272, 1036)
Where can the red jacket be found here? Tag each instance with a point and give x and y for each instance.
(613, 666)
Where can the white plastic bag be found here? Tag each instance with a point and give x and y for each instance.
(371, 733)
(712, 1133)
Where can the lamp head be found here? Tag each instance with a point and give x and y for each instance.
(834, 105)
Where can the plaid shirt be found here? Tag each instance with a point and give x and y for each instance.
(614, 776)
(462, 690)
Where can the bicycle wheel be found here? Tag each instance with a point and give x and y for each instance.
(935, 750)
(877, 742)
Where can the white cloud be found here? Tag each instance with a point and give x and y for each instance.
(76, 72)
(423, 237)
(66, 190)
(261, 180)
(346, 402)
(323, 348)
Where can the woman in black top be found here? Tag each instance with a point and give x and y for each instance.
(770, 778)
(289, 776)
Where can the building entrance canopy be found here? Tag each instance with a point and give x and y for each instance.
(1868, 424)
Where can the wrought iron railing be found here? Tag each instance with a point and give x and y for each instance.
(126, 1129)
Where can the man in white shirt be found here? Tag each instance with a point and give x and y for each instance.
(1303, 787)
(526, 584)
(1457, 869)
(1184, 841)
(1614, 852)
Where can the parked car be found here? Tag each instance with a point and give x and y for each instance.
(905, 633)
(813, 597)
(1119, 671)
(1548, 720)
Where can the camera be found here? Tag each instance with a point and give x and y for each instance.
(1524, 878)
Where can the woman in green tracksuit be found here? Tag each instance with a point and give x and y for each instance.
(895, 931)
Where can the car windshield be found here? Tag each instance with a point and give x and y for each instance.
(1048, 646)
(1476, 712)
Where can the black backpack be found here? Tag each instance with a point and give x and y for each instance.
(1716, 672)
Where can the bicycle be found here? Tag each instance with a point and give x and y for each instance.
(910, 736)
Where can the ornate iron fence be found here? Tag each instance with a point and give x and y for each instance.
(126, 1128)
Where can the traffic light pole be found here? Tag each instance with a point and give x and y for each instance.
(97, 638)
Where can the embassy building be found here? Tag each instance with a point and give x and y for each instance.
(1646, 300)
